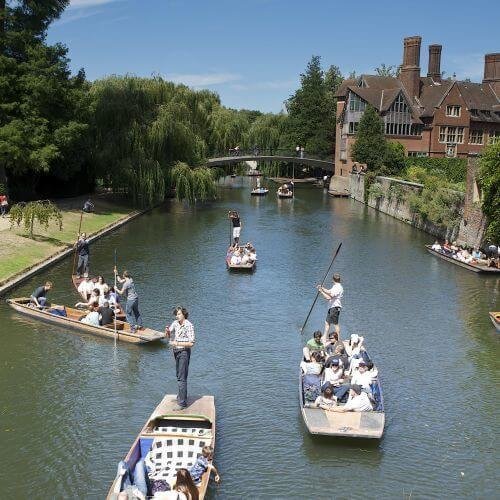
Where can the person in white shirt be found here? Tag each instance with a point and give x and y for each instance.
(313, 367)
(436, 246)
(236, 258)
(326, 401)
(86, 287)
(92, 317)
(333, 375)
(364, 375)
(358, 401)
(334, 296)
(100, 284)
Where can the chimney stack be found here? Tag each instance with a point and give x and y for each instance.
(492, 71)
(410, 70)
(434, 70)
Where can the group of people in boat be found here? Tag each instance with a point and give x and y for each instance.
(286, 189)
(467, 255)
(337, 372)
(238, 255)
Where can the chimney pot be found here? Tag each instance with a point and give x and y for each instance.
(492, 71)
(410, 69)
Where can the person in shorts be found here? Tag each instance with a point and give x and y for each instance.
(334, 296)
(236, 222)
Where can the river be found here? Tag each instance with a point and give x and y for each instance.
(71, 404)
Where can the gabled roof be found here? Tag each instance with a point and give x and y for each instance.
(342, 90)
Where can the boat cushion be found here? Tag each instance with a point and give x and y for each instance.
(58, 312)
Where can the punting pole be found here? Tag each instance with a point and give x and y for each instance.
(230, 232)
(78, 236)
(114, 272)
(317, 293)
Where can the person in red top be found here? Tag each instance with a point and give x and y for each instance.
(4, 204)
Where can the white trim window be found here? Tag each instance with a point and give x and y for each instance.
(353, 127)
(453, 135)
(451, 150)
(418, 154)
(494, 136)
(475, 136)
(453, 110)
(356, 103)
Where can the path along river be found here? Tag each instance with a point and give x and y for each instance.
(71, 404)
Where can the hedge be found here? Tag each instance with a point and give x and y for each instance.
(451, 169)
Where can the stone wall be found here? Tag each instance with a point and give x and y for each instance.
(398, 208)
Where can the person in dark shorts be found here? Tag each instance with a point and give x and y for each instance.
(334, 296)
(236, 221)
(39, 295)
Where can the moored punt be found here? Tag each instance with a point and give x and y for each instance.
(495, 319)
(262, 191)
(477, 268)
(359, 424)
(172, 440)
(72, 320)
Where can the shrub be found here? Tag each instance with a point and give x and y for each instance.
(489, 182)
(376, 191)
(451, 169)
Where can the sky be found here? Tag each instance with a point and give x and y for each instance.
(252, 52)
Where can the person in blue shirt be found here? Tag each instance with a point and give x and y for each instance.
(203, 464)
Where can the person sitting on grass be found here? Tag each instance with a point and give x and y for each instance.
(39, 295)
(92, 317)
(202, 465)
(313, 345)
(357, 401)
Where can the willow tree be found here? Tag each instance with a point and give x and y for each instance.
(193, 184)
(35, 211)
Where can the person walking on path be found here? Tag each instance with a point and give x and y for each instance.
(4, 204)
(132, 305)
(183, 339)
(236, 221)
(82, 249)
(334, 296)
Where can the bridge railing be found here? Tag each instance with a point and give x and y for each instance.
(232, 152)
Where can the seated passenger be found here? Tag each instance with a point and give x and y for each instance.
(454, 247)
(313, 345)
(446, 247)
(332, 342)
(201, 465)
(340, 355)
(358, 401)
(313, 367)
(106, 314)
(92, 317)
(326, 401)
(236, 258)
(436, 246)
(100, 284)
(86, 287)
(94, 298)
(364, 375)
(354, 346)
(333, 376)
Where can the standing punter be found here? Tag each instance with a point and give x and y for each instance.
(235, 219)
(132, 306)
(183, 340)
(334, 296)
(82, 248)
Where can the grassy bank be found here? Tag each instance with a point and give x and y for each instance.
(19, 253)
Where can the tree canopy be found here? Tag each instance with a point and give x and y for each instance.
(489, 181)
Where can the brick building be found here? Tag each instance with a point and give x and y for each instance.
(430, 116)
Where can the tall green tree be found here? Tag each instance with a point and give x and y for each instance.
(489, 180)
(310, 122)
(42, 107)
(370, 146)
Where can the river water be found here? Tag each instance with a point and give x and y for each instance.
(71, 404)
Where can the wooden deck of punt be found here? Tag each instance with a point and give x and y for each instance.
(360, 424)
(495, 319)
(72, 321)
(240, 267)
(201, 410)
(471, 267)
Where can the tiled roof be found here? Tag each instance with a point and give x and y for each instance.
(342, 90)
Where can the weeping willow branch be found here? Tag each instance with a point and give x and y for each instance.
(193, 184)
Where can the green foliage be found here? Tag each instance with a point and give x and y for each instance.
(394, 158)
(370, 146)
(311, 110)
(451, 169)
(376, 191)
(489, 182)
(193, 184)
(35, 211)
(396, 192)
(384, 70)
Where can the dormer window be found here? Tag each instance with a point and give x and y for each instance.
(453, 110)
(362, 83)
(356, 103)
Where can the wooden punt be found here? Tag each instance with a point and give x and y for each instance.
(495, 319)
(249, 267)
(262, 191)
(476, 268)
(178, 435)
(72, 321)
(284, 194)
(362, 424)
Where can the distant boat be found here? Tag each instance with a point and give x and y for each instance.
(284, 193)
(254, 173)
(260, 191)
(495, 319)
(363, 424)
(72, 321)
(477, 268)
(172, 440)
(249, 266)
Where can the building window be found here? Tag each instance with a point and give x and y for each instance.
(356, 103)
(418, 154)
(476, 137)
(453, 110)
(451, 134)
(451, 150)
(494, 136)
(353, 127)
(473, 112)
(399, 105)
(402, 129)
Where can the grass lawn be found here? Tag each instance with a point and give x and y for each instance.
(18, 252)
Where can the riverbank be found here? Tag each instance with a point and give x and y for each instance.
(21, 257)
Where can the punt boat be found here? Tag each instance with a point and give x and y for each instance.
(495, 319)
(363, 424)
(260, 191)
(249, 266)
(172, 440)
(284, 193)
(477, 268)
(72, 320)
